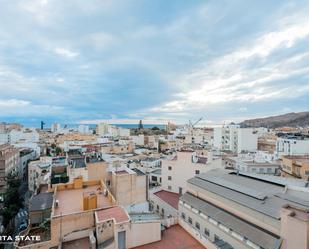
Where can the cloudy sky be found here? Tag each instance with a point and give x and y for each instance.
(75, 60)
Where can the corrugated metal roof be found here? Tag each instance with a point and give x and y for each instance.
(251, 232)
(244, 190)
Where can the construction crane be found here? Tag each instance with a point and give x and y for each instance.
(192, 125)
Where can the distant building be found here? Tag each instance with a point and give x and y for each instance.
(292, 145)
(55, 128)
(256, 163)
(235, 139)
(83, 129)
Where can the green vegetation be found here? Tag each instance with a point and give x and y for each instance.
(12, 200)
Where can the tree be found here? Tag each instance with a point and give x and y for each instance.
(155, 128)
(12, 199)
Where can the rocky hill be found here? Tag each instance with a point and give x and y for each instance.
(300, 119)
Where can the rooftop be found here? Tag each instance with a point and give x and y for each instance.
(117, 213)
(71, 200)
(169, 197)
(138, 172)
(41, 201)
(251, 232)
(265, 194)
(174, 237)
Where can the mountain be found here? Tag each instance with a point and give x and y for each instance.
(299, 119)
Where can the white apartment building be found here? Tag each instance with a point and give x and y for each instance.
(39, 173)
(256, 163)
(180, 167)
(15, 136)
(292, 145)
(104, 129)
(4, 138)
(55, 128)
(83, 129)
(235, 139)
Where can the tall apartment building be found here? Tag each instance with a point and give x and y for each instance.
(235, 139)
(225, 209)
(83, 129)
(55, 127)
(9, 163)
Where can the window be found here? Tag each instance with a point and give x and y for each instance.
(261, 170)
(269, 170)
(154, 178)
(190, 220)
(206, 232)
(169, 167)
(158, 208)
(183, 216)
(162, 211)
(307, 172)
(197, 225)
(197, 172)
(169, 178)
(169, 187)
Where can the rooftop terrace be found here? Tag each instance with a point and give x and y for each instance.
(174, 237)
(117, 213)
(71, 200)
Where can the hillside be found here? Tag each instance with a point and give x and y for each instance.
(300, 119)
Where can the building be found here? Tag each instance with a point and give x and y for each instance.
(9, 164)
(84, 214)
(129, 188)
(267, 143)
(256, 163)
(292, 145)
(295, 166)
(183, 165)
(39, 173)
(55, 128)
(25, 156)
(102, 129)
(226, 209)
(235, 139)
(83, 129)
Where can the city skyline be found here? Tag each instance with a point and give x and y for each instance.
(75, 61)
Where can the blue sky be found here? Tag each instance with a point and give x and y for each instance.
(74, 61)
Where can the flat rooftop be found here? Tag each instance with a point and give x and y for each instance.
(169, 197)
(117, 213)
(71, 200)
(174, 237)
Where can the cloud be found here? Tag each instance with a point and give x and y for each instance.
(96, 60)
(65, 52)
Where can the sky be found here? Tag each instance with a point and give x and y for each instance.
(78, 61)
